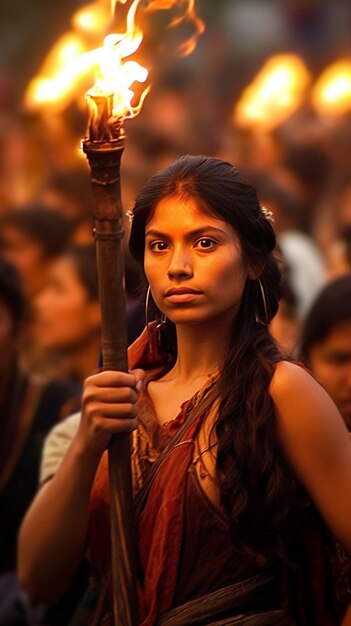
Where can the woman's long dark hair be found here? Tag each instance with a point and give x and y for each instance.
(257, 487)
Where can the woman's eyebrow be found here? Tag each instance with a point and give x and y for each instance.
(154, 233)
(191, 234)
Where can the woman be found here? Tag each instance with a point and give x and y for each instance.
(255, 433)
(29, 408)
(68, 317)
(325, 348)
(326, 342)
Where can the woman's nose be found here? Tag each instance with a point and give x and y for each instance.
(180, 265)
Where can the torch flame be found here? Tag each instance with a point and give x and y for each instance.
(274, 94)
(331, 95)
(115, 76)
(72, 65)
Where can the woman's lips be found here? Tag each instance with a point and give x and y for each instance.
(182, 295)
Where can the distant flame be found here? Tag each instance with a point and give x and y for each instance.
(331, 95)
(274, 94)
(72, 65)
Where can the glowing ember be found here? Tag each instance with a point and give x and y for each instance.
(275, 93)
(331, 95)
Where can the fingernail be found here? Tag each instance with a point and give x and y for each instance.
(139, 385)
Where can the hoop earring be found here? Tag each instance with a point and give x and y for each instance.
(162, 320)
(147, 300)
(263, 296)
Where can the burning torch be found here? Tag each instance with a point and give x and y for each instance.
(109, 104)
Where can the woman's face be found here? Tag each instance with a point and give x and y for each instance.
(194, 263)
(330, 361)
(66, 317)
(27, 256)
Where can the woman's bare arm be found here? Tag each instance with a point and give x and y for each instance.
(316, 443)
(52, 537)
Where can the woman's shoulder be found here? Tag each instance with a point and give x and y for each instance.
(304, 410)
(293, 377)
(315, 443)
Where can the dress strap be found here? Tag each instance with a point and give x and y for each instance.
(201, 407)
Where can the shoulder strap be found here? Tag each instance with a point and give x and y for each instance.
(201, 407)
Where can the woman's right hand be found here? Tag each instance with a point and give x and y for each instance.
(109, 407)
(52, 540)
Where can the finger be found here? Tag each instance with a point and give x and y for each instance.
(139, 375)
(122, 412)
(110, 395)
(110, 378)
(114, 426)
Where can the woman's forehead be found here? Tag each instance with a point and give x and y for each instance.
(174, 211)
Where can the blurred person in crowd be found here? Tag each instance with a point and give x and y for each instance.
(29, 408)
(304, 261)
(285, 326)
(325, 348)
(326, 342)
(338, 254)
(335, 216)
(343, 203)
(32, 237)
(305, 167)
(69, 192)
(68, 317)
(305, 170)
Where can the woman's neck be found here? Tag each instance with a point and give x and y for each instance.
(201, 351)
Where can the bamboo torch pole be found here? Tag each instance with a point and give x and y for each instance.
(103, 146)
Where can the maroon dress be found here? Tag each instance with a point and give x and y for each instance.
(184, 547)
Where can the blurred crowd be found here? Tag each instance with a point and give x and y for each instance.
(49, 306)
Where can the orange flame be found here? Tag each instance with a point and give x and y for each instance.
(115, 76)
(71, 65)
(275, 93)
(331, 95)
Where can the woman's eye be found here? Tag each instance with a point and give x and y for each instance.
(158, 246)
(205, 243)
